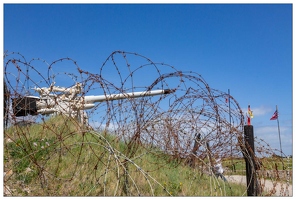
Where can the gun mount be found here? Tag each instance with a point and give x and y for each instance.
(67, 101)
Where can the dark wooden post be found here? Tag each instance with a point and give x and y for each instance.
(192, 158)
(249, 155)
(210, 156)
(6, 104)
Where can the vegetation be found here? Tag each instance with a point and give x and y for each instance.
(237, 166)
(58, 157)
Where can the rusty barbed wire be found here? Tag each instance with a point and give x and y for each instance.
(101, 150)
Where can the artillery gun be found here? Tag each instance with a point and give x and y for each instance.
(61, 100)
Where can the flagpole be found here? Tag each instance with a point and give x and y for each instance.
(229, 109)
(230, 128)
(279, 130)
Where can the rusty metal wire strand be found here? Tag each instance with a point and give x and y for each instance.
(189, 126)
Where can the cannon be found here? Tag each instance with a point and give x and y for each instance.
(55, 99)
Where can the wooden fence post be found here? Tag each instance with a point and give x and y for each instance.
(249, 155)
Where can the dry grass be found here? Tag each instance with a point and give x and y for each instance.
(58, 158)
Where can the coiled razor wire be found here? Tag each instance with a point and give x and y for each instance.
(120, 147)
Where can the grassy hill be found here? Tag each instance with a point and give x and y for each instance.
(59, 157)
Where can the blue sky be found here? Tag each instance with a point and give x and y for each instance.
(246, 48)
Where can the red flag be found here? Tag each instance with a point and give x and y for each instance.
(274, 116)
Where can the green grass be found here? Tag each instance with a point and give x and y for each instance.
(270, 163)
(59, 158)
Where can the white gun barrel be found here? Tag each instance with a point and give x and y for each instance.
(101, 98)
(46, 111)
(68, 102)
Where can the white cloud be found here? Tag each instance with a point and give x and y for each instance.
(259, 111)
(270, 135)
(270, 129)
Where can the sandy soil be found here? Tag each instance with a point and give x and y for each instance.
(274, 188)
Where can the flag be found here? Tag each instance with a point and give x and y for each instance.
(249, 120)
(226, 100)
(250, 112)
(274, 116)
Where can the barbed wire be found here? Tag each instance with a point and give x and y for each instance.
(120, 147)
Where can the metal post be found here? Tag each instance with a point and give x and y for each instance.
(232, 164)
(278, 123)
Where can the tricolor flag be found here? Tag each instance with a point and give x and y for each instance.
(249, 115)
(274, 116)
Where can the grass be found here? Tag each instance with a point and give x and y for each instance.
(269, 163)
(59, 158)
